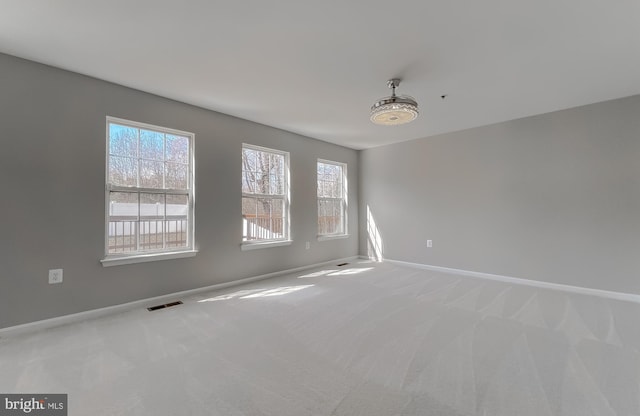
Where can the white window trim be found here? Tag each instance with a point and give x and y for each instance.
(329, 237)
(115, 259)
(286, 240)
(255, 245)
(344, 199)
(143, 258)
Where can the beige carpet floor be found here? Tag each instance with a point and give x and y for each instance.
(371, 339)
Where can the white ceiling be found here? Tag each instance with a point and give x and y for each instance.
(315, 67)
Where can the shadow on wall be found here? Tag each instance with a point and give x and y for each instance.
(374, 239)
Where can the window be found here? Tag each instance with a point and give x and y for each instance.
(332, 198)
(265, 195)
(149, 192)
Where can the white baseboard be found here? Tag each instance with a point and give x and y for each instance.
(145, 303)
(628, 297)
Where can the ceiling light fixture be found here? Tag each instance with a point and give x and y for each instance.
(395, 109)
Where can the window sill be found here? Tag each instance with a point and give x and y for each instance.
(143, 258)
(332, 237)
(267, 244)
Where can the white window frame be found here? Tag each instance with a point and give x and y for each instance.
(286, 196)
(138, 256)
(344, 202)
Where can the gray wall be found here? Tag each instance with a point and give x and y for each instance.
(52, 158)
(554, 198)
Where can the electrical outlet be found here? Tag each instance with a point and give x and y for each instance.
(429, 243)
(307, 246)
(55, 276)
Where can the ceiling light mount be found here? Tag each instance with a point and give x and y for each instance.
(393, 84)
(395, 109)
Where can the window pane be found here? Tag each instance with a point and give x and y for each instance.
(331, 172)
(177, 205)
(262, 183)
(263, 219)
(337, 216)
(151, 145)
(276, 165)
(277, 218)
(322, 171)
(263, 208)
(264, 223)
(177, 176)
(326, 189)
(276, 185)
(333, 191)
(249, 159)
(123, 140)
(332, 217)
(322, 217)
(338, 188)
(330, 189)
(263, 163)
(123, 205)
(123, 171)
(326, 171)
(249, 225)
(248, 181)
(151, 174)
(177, 223)
(123, 217)
(151, 221)
(152, 206)
(177, 149)
(249, 207)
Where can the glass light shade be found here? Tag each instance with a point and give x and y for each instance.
(394, 113)
(394, 110)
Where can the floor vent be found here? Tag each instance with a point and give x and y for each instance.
(166, 305)
(342, 264)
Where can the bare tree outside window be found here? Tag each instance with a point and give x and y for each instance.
(264, 194)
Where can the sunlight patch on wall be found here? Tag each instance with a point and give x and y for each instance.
(374, 239)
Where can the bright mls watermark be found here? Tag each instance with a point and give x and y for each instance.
(33, 404)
